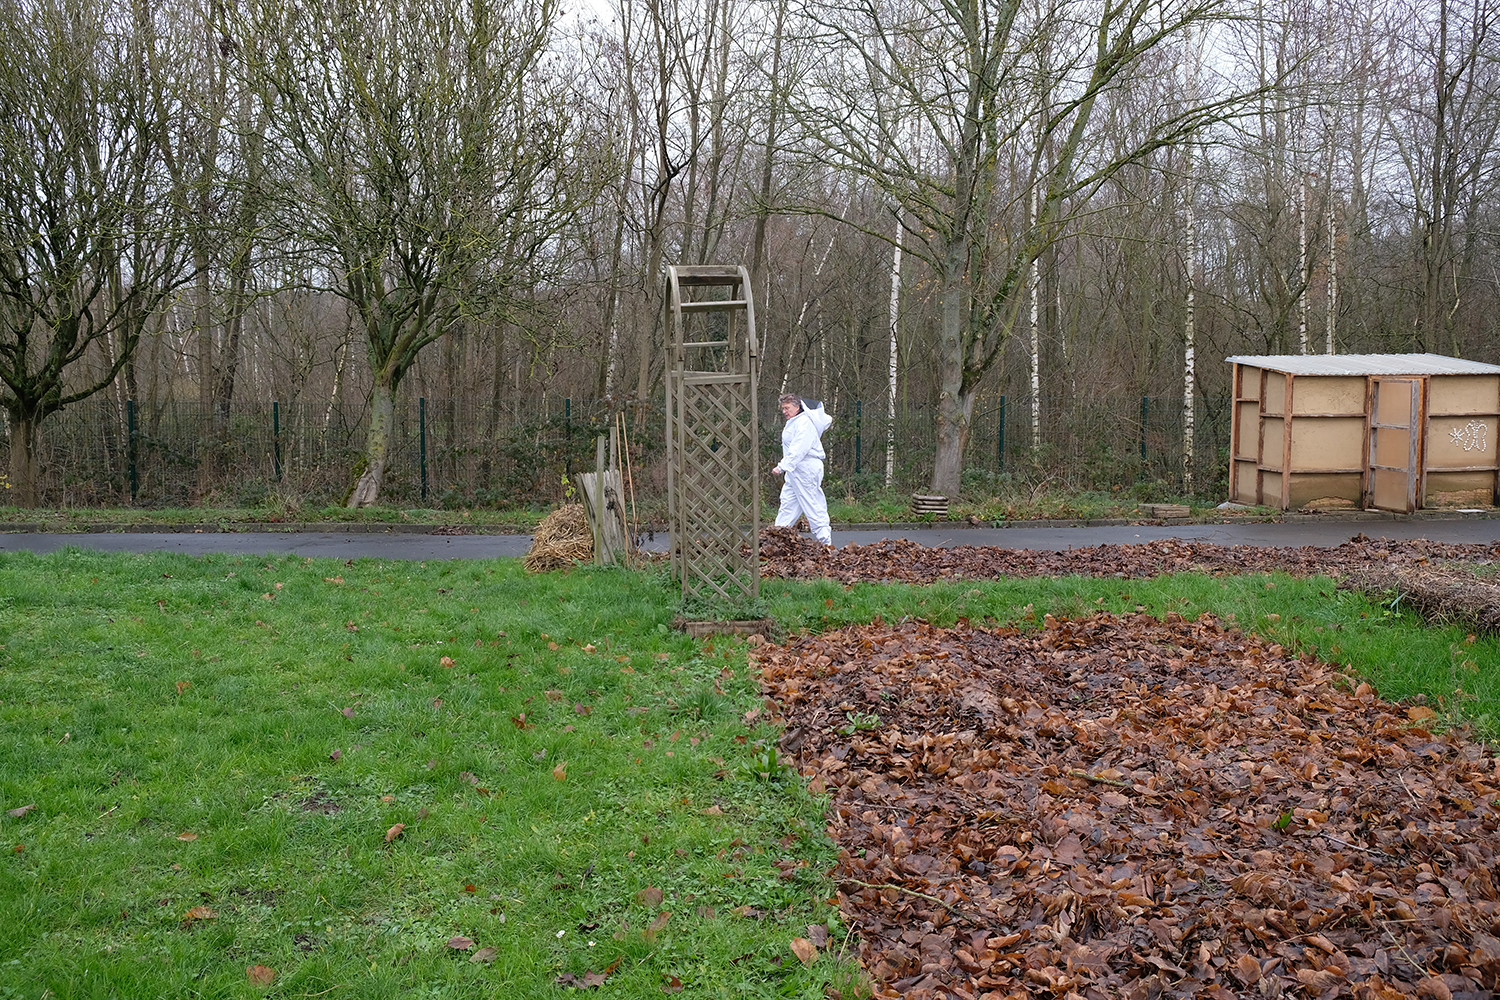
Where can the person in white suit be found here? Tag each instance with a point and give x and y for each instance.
(802, 463)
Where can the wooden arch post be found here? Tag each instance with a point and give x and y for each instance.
(713, 431)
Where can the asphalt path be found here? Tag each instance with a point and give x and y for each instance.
(1314, 531)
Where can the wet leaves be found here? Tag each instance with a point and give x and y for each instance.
(1124, 806)
(260, 975)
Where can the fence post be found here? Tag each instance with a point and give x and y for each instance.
(130, 446)
(1145, 409)
(1000, 439)
(276, 435)
(422, 438)
(858, 413)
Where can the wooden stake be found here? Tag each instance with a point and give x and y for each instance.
(625, 449)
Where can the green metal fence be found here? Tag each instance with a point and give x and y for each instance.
(467, 452)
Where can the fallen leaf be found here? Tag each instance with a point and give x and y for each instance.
(486, 955)
(805, 950)
(672, 984)
(460, 943)
(1434, 987)
(260, 975)
(185, 835)
(336, 755)
(21, 810)
(447, 663)
(649, 896)
(656, 926)
(394, 832)
(1247, 970)
(589, 980)
(200, 913)
(348, 712)
(1419, 712)
(183, 686)
(560, 772)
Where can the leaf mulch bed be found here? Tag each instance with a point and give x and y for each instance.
(1127, 807)
(784, 553)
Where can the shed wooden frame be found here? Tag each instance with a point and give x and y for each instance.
(1385, 431)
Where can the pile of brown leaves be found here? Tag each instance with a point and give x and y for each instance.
(784, 553)
(1136, 808)
(1127, 807)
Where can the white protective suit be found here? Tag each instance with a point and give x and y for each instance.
(802, 462)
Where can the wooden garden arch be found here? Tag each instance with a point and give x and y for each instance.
(713, 434)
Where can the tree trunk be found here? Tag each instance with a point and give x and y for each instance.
(377, 445)
(22, 482)
(954, 407)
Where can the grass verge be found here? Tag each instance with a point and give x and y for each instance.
(363, 776)
(276, 512)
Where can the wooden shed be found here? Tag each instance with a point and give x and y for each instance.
(1386, 431)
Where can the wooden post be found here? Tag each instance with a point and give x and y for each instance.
(602, 501)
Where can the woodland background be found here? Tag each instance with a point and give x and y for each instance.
(249, 249)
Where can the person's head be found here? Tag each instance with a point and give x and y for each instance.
(791, 405)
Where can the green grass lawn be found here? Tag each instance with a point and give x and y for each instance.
(334, 769)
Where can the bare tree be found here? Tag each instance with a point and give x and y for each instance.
(420, 153)
(1007, 93)
(90, 238)
(1445, 127)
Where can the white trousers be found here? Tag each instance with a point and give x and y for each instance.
(802, 494)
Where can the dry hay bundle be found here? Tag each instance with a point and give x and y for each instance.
(563, 538)
(1442, 594)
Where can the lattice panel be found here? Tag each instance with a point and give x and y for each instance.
(713, 438)
(716, 510)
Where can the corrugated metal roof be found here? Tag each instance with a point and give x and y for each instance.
(1366, 364)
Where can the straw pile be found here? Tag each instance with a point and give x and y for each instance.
(563, 538)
